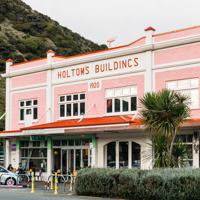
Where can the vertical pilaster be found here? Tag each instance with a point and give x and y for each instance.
(49, 156)
(93, 152)
(49, 105)
(117, 155)
(196, 149)
(149, 60)
(49, 97)
(17, 158)
(9, 63)
(129, 154)
(7, 153)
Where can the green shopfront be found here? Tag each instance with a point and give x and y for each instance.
(2, 156)
(63, 153)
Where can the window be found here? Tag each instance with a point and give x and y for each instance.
(1, 153)
(28, 108)
(2, 170)
(111, 154)
(72, 142)
(187, 140)
(121, 100)
(136, 158)
(188, 87)
(117, 154)
(34, 155)
(72, 105)
(123, 154)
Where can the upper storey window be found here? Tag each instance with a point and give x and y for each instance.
(121, 100)
(188, 87)
(28, 109)
(72, 105)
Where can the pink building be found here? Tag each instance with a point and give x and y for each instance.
(72, 112)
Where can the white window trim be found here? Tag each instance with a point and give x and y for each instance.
(129, 112)
(79, 101)
(27, 107)
(186, 89)
(130, 142)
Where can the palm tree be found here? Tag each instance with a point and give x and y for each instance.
(163, 113)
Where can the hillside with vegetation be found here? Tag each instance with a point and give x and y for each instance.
(26, 34)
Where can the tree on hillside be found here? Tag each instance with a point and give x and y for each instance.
(162, 114)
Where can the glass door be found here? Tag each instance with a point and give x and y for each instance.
(74, 159)
(79, 159)
(71, 160)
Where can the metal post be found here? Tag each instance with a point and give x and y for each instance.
(56, 184)
(51, 182)
(33, 184)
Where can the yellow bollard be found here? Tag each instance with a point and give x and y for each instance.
(56, 184)
(32, 181)
(51, 182)
(71, 184)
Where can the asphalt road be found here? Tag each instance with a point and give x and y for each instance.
(24, 194)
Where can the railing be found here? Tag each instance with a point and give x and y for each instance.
(65, 178)
(23, 179)
(51, 184)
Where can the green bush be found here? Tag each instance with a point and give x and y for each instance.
(157, 184)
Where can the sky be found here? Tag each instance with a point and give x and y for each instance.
(124, 20)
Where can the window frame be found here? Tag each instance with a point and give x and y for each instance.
(187, 143)
(123, 96)
(25, 108)
(30, 149)
(116, 163)
(189, 88)
(71, 102)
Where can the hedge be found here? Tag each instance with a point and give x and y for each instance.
(135, 184)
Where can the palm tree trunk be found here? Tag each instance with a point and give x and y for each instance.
(172, 143)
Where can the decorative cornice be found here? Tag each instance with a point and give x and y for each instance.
(105, 55)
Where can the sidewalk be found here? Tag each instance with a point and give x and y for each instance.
(25, 194)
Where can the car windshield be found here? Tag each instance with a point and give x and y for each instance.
(2, 170)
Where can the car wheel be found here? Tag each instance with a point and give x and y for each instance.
(10, 181)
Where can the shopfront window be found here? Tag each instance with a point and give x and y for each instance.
(123, 154)
(1, 153)
(72, 105)
(111, 154)
(188, 87)
(71, 154)
(117, 154)
(28, 108)
(136, 155)
(187, 140)
(121, 100)
(34, 155)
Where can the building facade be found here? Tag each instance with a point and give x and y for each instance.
(68, 113)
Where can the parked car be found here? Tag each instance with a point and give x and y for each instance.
(7, 177)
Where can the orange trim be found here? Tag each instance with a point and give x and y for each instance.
(83, 54)
(110, 49)
(178, 30)
(137, 40)
(85, 122)
(29, 61)
(110, 120)
(11, 131)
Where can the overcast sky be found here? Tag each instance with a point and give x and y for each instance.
(99, 20)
